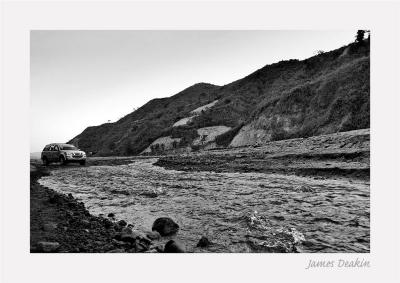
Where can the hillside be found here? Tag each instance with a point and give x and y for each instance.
(134, 132)
(324, 94)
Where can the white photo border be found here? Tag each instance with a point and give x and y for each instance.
(19, 18)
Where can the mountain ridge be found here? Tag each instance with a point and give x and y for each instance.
(326, 93)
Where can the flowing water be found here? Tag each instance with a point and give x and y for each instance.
(238, 212)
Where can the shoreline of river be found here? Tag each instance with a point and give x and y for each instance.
(61, 224)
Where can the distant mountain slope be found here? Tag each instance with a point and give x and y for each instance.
(134, 132)
(324, 94)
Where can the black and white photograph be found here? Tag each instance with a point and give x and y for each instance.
(200, 141)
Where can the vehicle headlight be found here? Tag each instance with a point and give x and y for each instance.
(69, 154)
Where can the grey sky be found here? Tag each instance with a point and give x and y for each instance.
(84, 78)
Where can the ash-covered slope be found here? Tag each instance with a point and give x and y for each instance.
(324, 94)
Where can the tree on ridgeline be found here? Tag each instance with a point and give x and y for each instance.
(360, 36)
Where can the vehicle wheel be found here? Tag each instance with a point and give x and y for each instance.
(83, 162)
(45, 161)
(62, 160)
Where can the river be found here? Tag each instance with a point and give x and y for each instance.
(238, 212)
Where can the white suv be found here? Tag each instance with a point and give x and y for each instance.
(62, 152)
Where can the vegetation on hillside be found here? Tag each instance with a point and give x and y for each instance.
(136, 131)
(326, 93)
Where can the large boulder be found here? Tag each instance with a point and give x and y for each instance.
(165, 226)
(174, 247)
(203, 242)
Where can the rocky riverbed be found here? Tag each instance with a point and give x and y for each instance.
(61, 223)
(238, 212)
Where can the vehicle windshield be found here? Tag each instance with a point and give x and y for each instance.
(68, 147)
